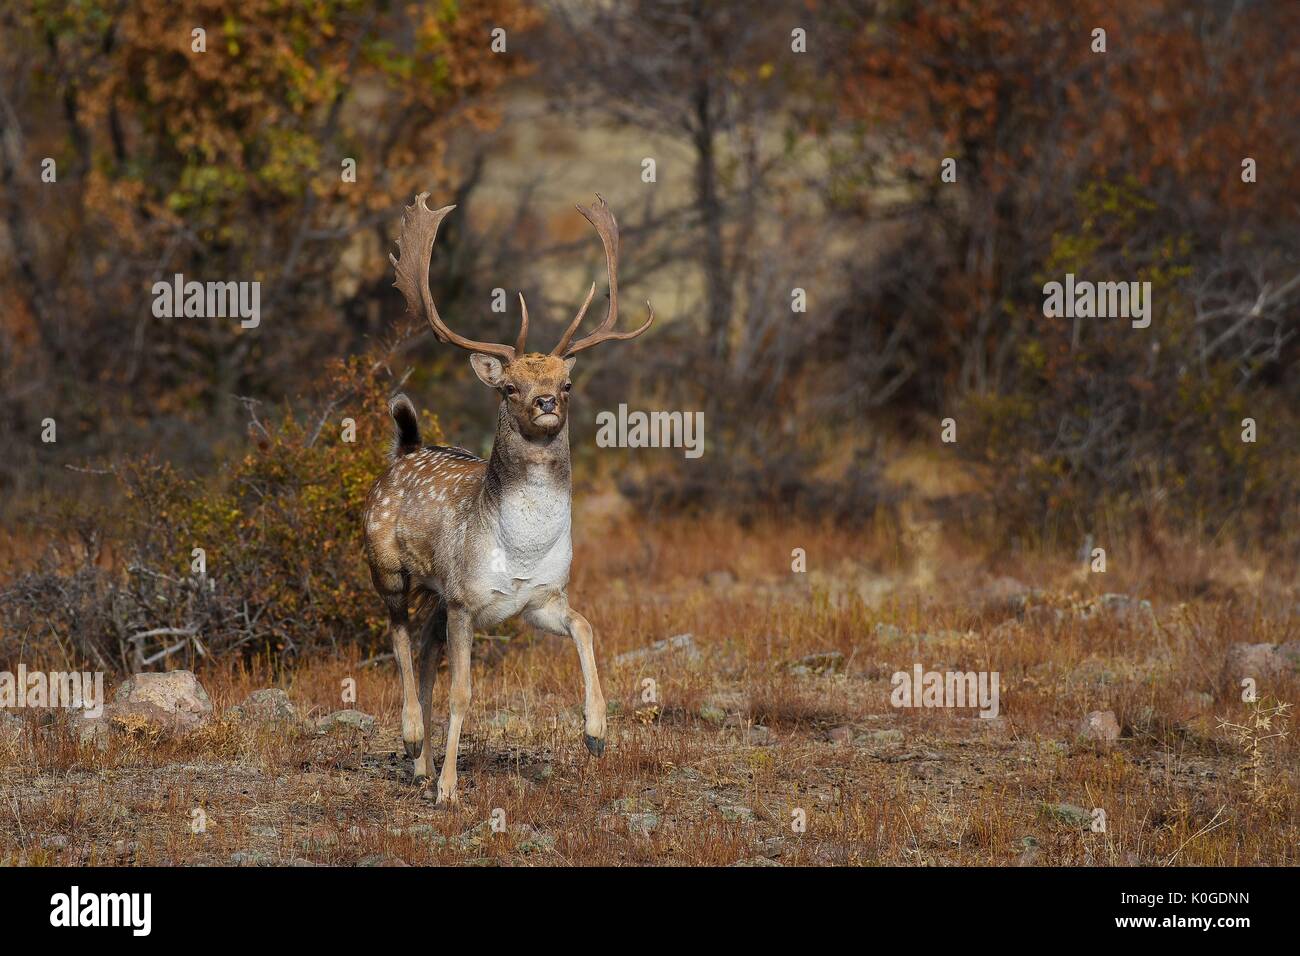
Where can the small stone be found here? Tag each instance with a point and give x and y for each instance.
(271, 705)
(756, 861)
(531, 840)
(11, 727)
(1120, 607)
(885, 738)
(1068, 813)
(319, 837)
(93, 731)
(759, 736)
(735, 813)
(642, 824)
(1101, 726)
(720, 579)
(824, 662)
(683, 644)
(351, 719)
(841, 735)
(1258, 661)
(888, 632)
(712, 713)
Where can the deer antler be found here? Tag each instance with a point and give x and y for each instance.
(603, 219)
(419, 230)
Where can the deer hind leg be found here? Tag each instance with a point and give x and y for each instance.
(394, 589)
(460, 637)
(433, 641)
(556, 617)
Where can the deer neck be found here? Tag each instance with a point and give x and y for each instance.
(527, 491)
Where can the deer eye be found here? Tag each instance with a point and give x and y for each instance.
(568, 386)
(510, 389)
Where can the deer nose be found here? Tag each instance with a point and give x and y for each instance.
(546, 403)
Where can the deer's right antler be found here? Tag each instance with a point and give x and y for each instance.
(419, 230)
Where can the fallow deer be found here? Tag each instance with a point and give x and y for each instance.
(486, 540)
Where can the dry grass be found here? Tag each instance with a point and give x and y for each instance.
(737, 741)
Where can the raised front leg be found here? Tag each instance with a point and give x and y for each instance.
(557, 617)
(460, 637)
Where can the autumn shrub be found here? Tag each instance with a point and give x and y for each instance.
(1190, 419)
(262, 558)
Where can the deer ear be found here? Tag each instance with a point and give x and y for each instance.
(488, 369)
(570, 362)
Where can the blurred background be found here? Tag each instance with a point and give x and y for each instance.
(795, 146)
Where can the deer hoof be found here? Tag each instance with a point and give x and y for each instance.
(595, 744)
(413, 748)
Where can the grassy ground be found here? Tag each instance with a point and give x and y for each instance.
(741, 740)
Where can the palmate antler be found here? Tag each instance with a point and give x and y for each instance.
(607, 227)
(415, 244)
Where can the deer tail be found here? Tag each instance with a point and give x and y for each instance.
(407, 438)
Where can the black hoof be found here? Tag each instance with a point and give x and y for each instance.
(413, 749)
(595, 744)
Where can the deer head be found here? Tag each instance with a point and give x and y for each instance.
(534, 387)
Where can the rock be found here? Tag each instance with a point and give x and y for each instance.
(720, 706)
(174, 700)
(756, 735)
(642, 824)
(756, 861)
(380, 860)
(245, 858)
(11, 728)
(735, 813)
(841, 735)
(265, 832)
(531, 840)
(884, 738)
(93, 731)
(712, 713)
(825, 662)
(1120, 607)
(719, 579)
(1042, 616)
(510, 725)
(319, 837)
(57, 842)
(888, 632)
(348, 719)
(1029, 851)
(270, 705)
(476, 836)
(1068, 813)
(1101, 726)
(677, 644)
(1258, 661)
